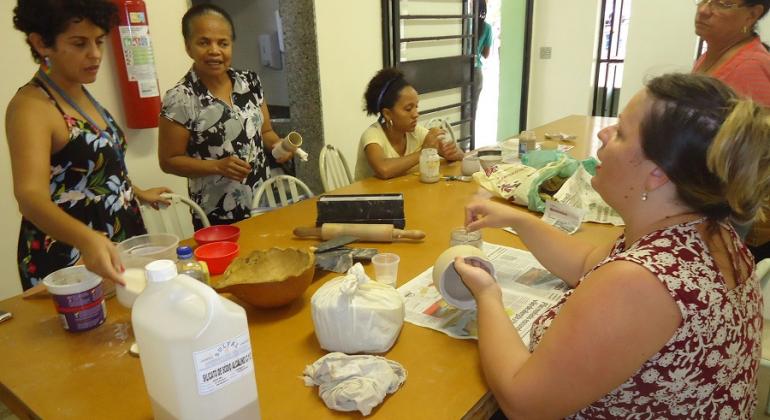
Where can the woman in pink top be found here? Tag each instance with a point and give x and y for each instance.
(735, 53)
(665, 321)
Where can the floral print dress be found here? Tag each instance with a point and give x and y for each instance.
(217, 131)
(89, 181)
(708, 369)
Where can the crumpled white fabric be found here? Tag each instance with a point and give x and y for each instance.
(353, 314)
(348, 383)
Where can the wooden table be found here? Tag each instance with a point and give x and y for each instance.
(49, 373)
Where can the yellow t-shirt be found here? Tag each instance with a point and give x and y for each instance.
(376, 135)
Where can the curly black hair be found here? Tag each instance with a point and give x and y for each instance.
(383, 90)
(49, 18)
(202, 9)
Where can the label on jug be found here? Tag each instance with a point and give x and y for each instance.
(222, 364)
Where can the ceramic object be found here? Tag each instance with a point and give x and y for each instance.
(288, 145)
(217, 255)
(449, 283)
(470, 165)
(269, 278)
(218, 233)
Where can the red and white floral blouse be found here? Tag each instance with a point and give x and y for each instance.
(708, 369)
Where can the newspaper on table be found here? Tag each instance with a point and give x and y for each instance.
(578, 192)
(528, 291)
(563, 217)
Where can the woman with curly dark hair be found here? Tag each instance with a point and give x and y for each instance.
(391, 146)
(67, 153)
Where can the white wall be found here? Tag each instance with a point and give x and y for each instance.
(350, 53)
(248, 16)
(661, 43)
(562, 85)
(172, 62)
(658, 43)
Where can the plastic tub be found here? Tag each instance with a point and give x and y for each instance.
(217, 255)
(218, 233)
(78, 296)
(141, 250)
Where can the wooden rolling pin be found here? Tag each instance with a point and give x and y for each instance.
(362, 231)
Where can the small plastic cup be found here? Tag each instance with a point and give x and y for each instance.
(386, 268)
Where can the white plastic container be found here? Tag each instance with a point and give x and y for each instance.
(195, 349)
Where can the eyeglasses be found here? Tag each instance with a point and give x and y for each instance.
(718, 4)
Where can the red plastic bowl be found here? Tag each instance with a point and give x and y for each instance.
(217, 255)
(219, 233)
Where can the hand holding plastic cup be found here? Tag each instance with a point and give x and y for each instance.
(386, 268)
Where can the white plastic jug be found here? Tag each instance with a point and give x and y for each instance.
(195, 349)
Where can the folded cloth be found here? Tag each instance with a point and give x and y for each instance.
(348, 383)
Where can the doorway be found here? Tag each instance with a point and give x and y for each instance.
(502, 104)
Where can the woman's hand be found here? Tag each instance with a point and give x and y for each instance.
(478, 280)
(450, 151)
(101, 257)
(232, 167)
(152, 196)
(486, 213)
(433, 138)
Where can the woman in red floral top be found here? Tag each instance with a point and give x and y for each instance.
(665, 322)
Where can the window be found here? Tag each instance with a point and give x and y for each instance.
(613, 33)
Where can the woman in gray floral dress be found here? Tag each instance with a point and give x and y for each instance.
(215, 125)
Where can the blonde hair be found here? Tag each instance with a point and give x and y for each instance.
(740, 157)
(713, 145)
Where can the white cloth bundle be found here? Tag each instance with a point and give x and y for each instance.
(354, 314)
(348, 383)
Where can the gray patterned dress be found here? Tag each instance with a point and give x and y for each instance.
(218, 131)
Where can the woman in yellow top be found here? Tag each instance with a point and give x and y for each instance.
(391, 146)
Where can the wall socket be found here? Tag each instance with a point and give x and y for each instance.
(545, 53)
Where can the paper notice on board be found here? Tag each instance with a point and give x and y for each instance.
(139, 58)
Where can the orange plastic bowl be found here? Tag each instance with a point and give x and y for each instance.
(217, 255)
(219, 233)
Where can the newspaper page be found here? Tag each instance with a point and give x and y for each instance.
(561, 216)
(578, 192)
(528, 291)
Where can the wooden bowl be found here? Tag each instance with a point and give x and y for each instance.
(269, 278)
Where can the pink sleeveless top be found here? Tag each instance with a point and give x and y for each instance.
(708, 369)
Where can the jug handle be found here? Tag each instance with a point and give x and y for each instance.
(209, 295)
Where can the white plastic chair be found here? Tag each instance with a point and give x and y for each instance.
(173, 218)
(335, 172)
(279, 191)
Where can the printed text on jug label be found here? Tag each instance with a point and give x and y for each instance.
(222, 364)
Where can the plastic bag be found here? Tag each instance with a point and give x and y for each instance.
(353, 314)
(521, 183)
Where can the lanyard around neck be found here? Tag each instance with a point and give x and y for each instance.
(77, 107)
(112, 138)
